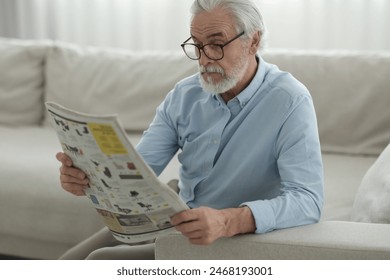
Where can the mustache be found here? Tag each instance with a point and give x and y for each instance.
(211, 69)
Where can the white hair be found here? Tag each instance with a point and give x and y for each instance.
(245, 12)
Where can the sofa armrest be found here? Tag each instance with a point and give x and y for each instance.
(325, 240)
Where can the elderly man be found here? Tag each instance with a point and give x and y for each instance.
(250, 153)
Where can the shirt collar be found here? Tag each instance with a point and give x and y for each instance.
(245, 95)
(256, 82)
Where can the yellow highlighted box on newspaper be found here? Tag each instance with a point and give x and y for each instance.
(107, 139)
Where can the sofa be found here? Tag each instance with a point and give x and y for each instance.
(38, 220)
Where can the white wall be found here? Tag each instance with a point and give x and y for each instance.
(328, 24)
(164, 24)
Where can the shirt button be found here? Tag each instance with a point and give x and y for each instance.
(215, 141)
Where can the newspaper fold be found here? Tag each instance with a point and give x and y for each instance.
(126, 193)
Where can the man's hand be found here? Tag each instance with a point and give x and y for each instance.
(72, 179)
(204, 225)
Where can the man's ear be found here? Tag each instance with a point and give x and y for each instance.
(255, 42)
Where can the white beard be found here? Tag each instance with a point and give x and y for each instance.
(228, 81)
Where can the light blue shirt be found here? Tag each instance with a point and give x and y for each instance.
(261, 149)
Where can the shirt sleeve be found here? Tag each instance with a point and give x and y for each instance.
(159, 142)
(298, 154)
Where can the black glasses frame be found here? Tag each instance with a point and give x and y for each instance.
(184, 44)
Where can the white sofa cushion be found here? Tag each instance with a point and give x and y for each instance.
(101, 81)
(21, 81)
(345, 87)
(372, 202)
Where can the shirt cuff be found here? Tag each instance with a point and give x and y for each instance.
(263, 214)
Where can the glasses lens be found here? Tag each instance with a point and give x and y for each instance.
(213, 51)
(191, 51)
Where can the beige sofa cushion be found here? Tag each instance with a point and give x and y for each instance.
(21, 81)
(372, 202)
(38, 219)
(342, 176)
(345, 89)
(108, 81)
(330, 240)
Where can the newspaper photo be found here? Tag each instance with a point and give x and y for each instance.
(126, 193)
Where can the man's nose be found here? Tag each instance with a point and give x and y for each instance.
(204, 60)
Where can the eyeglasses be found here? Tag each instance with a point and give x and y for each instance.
(212, 51)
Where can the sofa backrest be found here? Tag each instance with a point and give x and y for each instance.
(21, 81)
(351, 93)
(108, 81)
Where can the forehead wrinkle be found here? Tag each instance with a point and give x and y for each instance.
(212, 35)
(211, 31)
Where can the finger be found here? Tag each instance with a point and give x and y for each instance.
(193, 235)
(73, 185)
(72, 172)
(183, 217)
(189, 227)
(74, 189)
(66, 179)
(64, 159)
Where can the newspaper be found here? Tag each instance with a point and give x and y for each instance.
(126, 193)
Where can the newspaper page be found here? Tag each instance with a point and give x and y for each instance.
(126, 193)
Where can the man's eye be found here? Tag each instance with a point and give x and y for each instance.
(213, 47)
